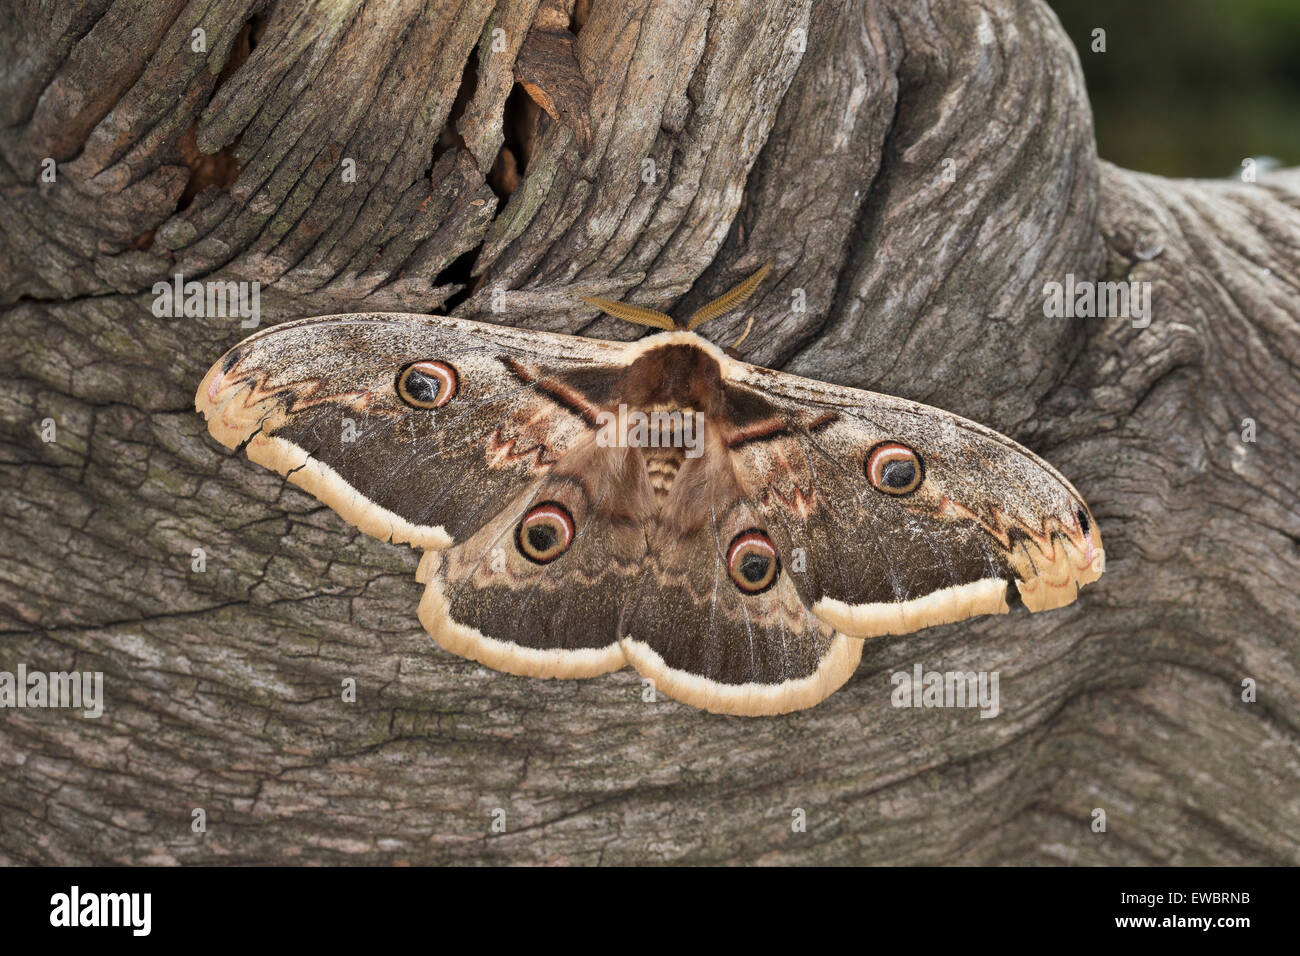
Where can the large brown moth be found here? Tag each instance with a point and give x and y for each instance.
(732, 532)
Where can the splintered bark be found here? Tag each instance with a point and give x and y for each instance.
(915, 173)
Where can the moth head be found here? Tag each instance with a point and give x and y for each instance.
(655, 319)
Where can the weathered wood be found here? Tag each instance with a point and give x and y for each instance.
(816, 135)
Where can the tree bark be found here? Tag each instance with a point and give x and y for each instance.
(915, 173)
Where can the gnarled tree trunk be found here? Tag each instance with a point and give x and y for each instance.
(915, 173)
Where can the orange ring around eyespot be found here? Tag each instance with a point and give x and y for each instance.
(559, 519)
(885, 454)
(751, 541)
(440, 373)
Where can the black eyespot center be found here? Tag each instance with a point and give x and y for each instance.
(898, 474)
(542, 537)
(421, 387)
(753, 567)
(1084, 524)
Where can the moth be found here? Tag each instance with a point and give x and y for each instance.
(733, 532)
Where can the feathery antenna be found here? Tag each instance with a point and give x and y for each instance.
(661, 320)
(728, 300)
(745, 334)
(632, 313)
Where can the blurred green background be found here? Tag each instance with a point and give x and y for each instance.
(1191, 87)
